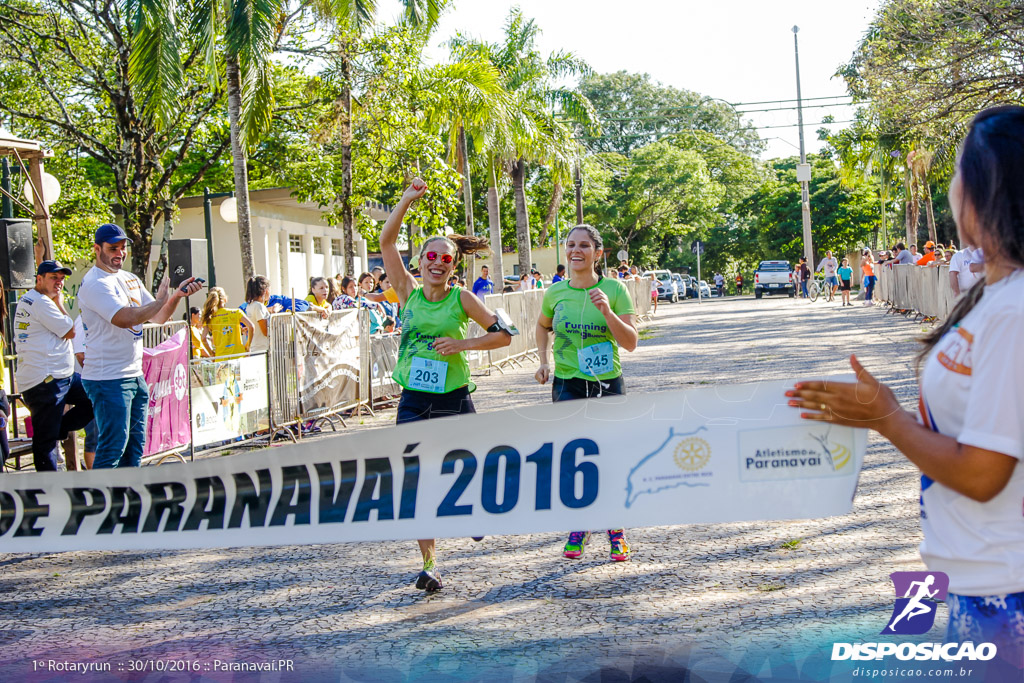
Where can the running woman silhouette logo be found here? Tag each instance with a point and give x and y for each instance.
(914, 612)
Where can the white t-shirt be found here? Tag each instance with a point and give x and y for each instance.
(972, 388)
(39, 329)
(256, 312)
(114, 352)
(960, 264)
(78, 344)
(829, 265)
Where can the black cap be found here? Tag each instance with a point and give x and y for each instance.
(52, 267)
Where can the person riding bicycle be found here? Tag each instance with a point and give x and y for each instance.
(829, 265)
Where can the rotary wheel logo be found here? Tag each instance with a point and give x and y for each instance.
(692, 454)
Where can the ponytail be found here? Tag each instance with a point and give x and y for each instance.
(215, 300)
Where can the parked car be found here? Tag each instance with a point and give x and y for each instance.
(705, 289)
(774, 277)
(667, 288)
(690, 286)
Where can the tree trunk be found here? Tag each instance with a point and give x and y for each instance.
(239, 163)
(929, 212)
(467, 200)
(347, 217)
(494, 221)
(910, 212)
(549, 217)
(161, 265)
(883, 198)
(522, 217)
(138, 225)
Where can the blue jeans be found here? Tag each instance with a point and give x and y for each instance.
(869, 286)
(803, 289)
(120, 408)
(50, 424)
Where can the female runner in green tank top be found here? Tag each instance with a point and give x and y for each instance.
(591, 317)
(432, 367)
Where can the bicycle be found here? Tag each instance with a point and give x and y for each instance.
(818, 286)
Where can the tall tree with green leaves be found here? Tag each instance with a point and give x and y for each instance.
(233, 39)
(544, 114)
(64, 74)
(635, 110)
(930, 65)
(352, 19)
(468, 102)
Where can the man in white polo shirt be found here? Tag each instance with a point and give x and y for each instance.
(46, 374)
(115, 304)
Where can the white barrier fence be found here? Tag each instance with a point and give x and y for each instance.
(916, 289)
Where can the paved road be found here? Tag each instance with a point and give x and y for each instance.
(695, 596)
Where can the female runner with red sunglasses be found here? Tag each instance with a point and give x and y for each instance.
(432, 366)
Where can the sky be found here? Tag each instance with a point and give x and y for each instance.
(737, 50)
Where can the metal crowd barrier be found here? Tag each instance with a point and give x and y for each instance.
(292, 350)
(283, 370)
(915, 290)
(154, 335)
(308, 350)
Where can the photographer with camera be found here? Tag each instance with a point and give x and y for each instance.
(115, 304)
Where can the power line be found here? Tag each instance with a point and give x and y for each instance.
(731, 104)
(661, 134)
(794, 125)
(749, 111)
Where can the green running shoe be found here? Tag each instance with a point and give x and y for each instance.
(620, 551)
(576, 544)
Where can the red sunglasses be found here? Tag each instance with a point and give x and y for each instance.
(445, 258)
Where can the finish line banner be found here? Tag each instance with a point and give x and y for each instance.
(716, 454)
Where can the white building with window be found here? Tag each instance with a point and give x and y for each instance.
(290, 242)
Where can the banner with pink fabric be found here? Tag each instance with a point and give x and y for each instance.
(165, 368)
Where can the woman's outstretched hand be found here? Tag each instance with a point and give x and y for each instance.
(865, 403)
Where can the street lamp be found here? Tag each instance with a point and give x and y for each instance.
(228, 211)
(51, 189)
(803, 171)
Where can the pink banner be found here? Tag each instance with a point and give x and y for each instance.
(165, 368)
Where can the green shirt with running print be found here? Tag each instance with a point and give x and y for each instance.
(577, 324)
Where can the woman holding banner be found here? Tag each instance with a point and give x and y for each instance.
(432, 366)
(969, 438)
(591, 317)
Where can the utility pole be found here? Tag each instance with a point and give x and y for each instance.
(803, 171)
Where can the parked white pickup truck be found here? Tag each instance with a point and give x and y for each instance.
(774, 277)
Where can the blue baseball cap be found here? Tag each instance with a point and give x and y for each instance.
(52, 267)
(108, 233)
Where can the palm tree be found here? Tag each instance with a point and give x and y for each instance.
(542, 115)
(250, 31)
(472, 108)
(352, 18)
